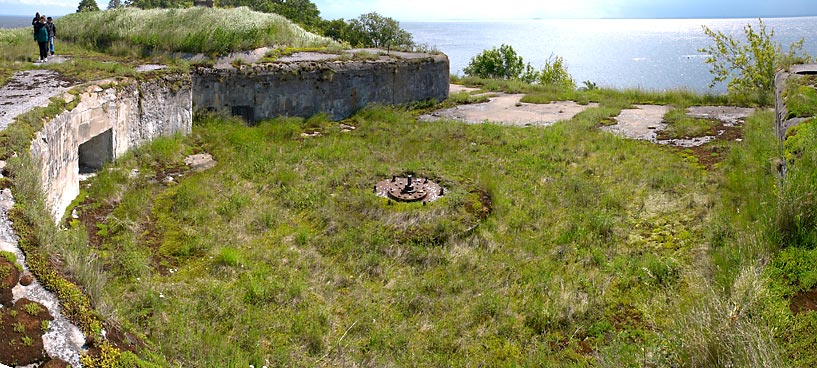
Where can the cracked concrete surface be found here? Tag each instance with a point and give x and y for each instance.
(29, 89)
(507, 109)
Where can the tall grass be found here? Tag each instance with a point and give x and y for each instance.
(17, 45)
(129, 31)
(284, 256)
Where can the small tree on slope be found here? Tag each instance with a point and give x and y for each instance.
(87, 5)
(750, 66)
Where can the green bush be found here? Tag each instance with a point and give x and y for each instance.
(504, 63)
(749, 66)
(375, 30)
(555, 73)
(500, 63)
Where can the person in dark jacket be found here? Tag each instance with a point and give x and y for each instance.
(35, 21)
(41, 36)
(52, 32)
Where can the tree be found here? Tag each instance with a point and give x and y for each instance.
(500, 63)
(336, 29)
(113, 4)
(750, 66)
(375, 30)
(303, 12)
(87, 5)
(555, 73)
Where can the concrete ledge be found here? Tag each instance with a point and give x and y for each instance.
(305, 85)
(127, 112)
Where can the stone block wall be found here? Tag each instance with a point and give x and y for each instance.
(131, 112)
(338, 88)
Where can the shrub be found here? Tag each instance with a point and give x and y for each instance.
(505, 63)
(750, 66)
(555, 73)
(499, 63)
(375, 30)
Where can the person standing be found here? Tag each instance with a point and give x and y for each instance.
(35, 21)
(52, 32)
(41, 36)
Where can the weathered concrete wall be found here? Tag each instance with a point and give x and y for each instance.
(305, 88)
(783, 123)
(134, 112)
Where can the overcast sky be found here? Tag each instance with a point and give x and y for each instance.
(406, 10)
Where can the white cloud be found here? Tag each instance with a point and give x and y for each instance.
(51, 3)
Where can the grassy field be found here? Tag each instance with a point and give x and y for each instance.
(553, 247)
(558, 246)
(136, 32)
(111, 43)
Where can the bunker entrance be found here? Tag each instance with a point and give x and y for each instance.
(96, 152)
(246, 113)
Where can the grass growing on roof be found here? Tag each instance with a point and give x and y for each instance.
(198, 29)
(285, 256)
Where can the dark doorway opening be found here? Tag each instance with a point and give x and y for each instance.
(247, 113)
(96, 152)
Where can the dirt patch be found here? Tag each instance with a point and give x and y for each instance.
(9, 276)
(509, 110)
(804, 301)
(21, 333)
(457, 88)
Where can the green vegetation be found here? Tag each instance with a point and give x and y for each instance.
(214, 31)
(555, 73)
(375, 30)
(560, 246)
(505, 63)
(33, 308)
(680, 126)
(749, 66)
(800, 97)
(586, 249)
(500, 63)
(87, 6)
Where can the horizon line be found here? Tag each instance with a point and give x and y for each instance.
(604, 18)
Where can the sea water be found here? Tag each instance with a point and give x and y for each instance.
(14, 21)
(652, 54)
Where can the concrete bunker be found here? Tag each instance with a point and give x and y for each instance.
(96, 152)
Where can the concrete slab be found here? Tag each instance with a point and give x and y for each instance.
(729, 115)
(29, 89)
(508, 110)
(640, 123)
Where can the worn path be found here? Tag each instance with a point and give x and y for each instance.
(29, 89)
